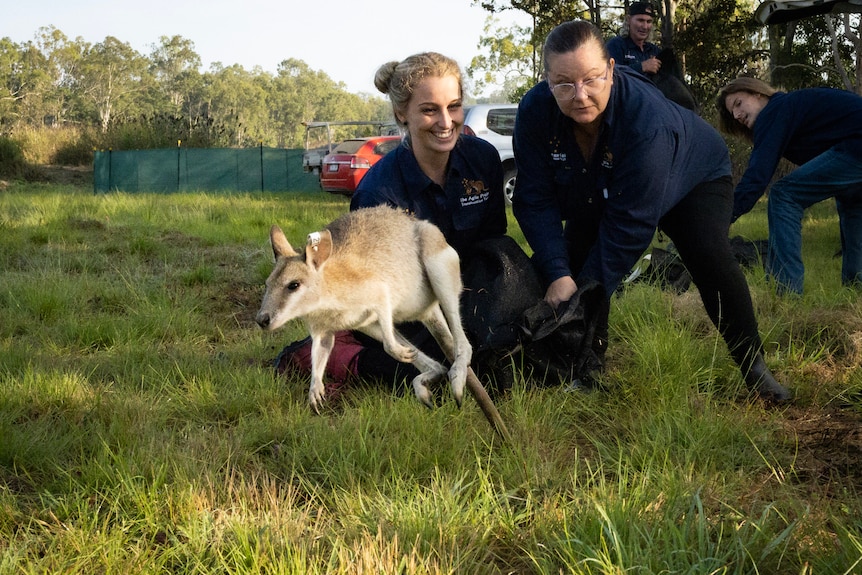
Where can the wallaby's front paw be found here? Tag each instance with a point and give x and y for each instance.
(403, 353)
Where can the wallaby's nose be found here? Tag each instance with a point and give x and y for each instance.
(262, 320)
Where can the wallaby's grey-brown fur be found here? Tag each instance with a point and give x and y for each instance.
(369, 270)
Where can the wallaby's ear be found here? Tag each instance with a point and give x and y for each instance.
(280, 245)
(319, 248)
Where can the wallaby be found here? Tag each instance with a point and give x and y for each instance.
(369, 270)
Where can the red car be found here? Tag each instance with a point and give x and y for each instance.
(345, 166)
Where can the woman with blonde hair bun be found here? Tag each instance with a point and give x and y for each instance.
(437, 174)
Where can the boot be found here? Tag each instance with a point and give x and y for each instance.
(760, 380)
(590, 374)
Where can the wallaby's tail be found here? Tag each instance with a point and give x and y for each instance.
(487, 405)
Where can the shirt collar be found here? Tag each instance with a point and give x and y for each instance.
(415, 178)
(618, 90)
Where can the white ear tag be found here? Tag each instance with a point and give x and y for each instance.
(314, 240)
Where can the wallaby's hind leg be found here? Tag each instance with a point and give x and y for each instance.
(444, 273)
(321, 347)
(439, 328)
(430, 370)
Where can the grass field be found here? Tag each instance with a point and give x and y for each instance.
(142, 429)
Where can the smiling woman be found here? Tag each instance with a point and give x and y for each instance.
(440, 175)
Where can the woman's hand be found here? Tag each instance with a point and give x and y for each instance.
(560, 290)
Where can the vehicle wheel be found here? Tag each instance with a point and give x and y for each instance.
(509, 184)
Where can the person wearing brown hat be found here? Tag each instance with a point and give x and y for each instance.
(631, 47)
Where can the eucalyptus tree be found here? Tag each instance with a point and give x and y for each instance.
(36, 79)
(110, 77)
(61, 69)
(14, 85)
(176, 68)
(719, 40)
(513, 62)
(507, 57)
(817, 50)
(238, 102)
(845, 32)
(301, 94)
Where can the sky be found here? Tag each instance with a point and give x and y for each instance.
(346, 39)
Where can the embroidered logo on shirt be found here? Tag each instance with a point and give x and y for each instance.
(475, 192)
(556, 154)
(608, 160)
(472, 187)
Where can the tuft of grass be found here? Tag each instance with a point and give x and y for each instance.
(142, 428)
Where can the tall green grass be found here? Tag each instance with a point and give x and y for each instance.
(142, 429)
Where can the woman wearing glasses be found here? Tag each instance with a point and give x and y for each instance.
(599, 149)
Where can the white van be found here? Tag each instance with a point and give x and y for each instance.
(495, 123)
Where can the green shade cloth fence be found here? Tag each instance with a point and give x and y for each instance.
(202, 169)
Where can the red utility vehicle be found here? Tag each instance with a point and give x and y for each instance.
(344, 167)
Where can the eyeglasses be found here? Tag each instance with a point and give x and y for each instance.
(568, 90)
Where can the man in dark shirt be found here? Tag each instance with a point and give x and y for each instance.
(819, 130)
(631, 48)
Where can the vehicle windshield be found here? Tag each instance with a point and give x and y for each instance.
(348, 147)
(384, 148)
(502, 120)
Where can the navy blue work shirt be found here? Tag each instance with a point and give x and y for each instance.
(626, 53)
(799, 126)
(470, 207)
(651, 153)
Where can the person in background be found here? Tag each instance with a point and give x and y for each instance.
(632, 48)
(600, 149)
(819, 130)
(437, 174)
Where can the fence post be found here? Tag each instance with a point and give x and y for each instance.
(178, 164)
(110, 169)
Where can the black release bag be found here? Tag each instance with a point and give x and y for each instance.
(672, 83)
(561, 346)
(504, 315)
(500, 283)
(667, 271)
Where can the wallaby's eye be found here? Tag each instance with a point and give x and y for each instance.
(293, 286)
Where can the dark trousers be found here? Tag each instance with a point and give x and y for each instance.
(699, 227)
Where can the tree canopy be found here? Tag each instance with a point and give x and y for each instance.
(716, 40)
(157, 99)
(164, 97)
